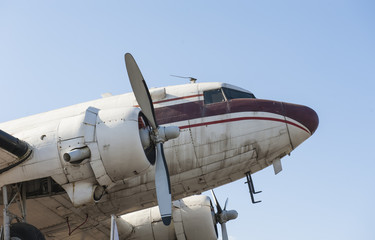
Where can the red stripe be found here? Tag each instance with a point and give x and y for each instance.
(241, 119)
(179, 98)
(174, 99)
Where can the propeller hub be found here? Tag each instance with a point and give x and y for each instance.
(168, 133)
(222, 216)
(227, 215)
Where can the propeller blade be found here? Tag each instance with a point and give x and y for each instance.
(224, 232)
(143, 97)
(219, 210)
(225, 205)
(163, 186)
(140, 89)
(222, 216)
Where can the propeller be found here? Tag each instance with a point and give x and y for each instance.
(222, 216)
(158, 135)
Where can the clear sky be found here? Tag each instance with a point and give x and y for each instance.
(317, 53)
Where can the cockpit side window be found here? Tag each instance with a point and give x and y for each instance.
(234, 94)
(213, 96)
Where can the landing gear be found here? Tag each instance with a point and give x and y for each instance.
(6, 221)
(25, 231)
(19, 230)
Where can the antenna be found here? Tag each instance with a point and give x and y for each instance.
(192, 80)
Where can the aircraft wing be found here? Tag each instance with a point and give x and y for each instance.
(12, 151)
(58, 219)
(54, 215)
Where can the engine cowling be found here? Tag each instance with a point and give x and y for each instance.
(119, 142)
(105, 144)
(193, 218)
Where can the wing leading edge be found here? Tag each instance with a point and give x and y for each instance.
(12, 151)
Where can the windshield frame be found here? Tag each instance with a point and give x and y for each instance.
(225, 93)
(228, 93)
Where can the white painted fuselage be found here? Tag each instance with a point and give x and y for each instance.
(218, 143)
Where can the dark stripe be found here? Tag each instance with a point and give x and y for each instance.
(242, 119)
(174, 99)
(179, 98)
(197, 109)
(178, 112)
(302, 114)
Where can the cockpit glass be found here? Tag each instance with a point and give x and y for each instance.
(234, 94)
(223, 94)
(213, 96)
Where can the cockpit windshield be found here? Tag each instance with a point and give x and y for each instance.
(213, 96)
(234, 94)
(224, 94)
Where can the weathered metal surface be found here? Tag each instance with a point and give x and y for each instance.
(217, 145)
(192, 219)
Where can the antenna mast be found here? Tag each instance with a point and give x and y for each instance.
(191, 79)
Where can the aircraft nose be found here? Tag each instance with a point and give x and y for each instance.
(302, 122)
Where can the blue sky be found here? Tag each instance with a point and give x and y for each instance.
(317, 53)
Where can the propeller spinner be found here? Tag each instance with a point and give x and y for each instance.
(158, 135)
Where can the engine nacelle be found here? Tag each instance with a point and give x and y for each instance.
(105, 144)
(193, 218)
(119, 142)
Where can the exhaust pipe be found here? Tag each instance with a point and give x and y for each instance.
(77, 155)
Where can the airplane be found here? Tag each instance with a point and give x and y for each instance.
(145, 157)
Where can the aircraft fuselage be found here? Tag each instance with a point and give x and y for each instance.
(220, 140)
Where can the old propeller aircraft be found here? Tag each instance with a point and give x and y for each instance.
(64, 172)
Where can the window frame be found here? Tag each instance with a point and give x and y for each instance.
(252, 96)
(225, 98)
(222, 93)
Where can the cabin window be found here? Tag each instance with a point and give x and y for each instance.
(234, 94)
(213, 96)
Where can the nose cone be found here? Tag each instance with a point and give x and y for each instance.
(302, 122)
